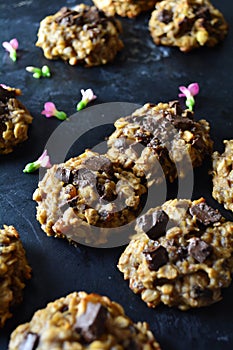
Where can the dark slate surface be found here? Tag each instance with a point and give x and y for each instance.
(141, 73)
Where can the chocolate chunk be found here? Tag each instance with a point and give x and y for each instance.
(165, 16)
(106, 193)
(83, 178)
(30, 342)
(154, 225)
(204, 13)
(156, 257)
(198, 142)
(184, 26)
(100, 164)
(133, 345)
(144, 137)
(64, 175)
(91, 324)
(205, 214)
(176, 106)
(199, 249)
(121, 143)
(182, 123)
(5, 94)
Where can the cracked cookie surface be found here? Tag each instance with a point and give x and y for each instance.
(14, 119)
(83, 321)
(124, 8)
(223, 176)
(182, 255)
(14, 271)
(85, 192)
(187, 24)
(82, 35)
(158, 140)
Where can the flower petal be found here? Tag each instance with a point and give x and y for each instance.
(193, 88)
(14, 43)
(50, 107)
(7, 46)
(44, 160)
(88, 95)
(185, 91)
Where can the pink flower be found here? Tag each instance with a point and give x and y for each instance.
(42, 162)
(87, 96)
(11, 47)
(189, 92)
(50, 110)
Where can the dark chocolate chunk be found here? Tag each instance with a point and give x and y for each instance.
(156, 257)
(5, 94)
(205, 214)
(83, 178)
(63, 174)
(204, 13)
(100, 164)
(165, 16)
(184, 26)
(199, 249)
(144, 137)
(121, 143)
(202, 293)
(199, 143)
(105, 193)
(176, 106)
(182, 123)
(91, 324)
(30, 342)
(154, 225)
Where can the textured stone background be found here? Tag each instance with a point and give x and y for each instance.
(141, 73)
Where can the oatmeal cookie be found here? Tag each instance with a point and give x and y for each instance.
(188, 24)
(14, 270)
(14, 119)
(160, 136)
(182, 255)
(124, 8)
(82, 321)
(223, 176)
(85, 192)
(82, 35)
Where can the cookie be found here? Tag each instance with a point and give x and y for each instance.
(14, 270)
(82, 321)
(14, 119)
(223, 176)
(124, 8)
(160, 136)
(82, 35)
(187, 24)
(182, 255)
(86, 192)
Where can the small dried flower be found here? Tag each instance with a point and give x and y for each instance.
(42, 162)
(39, 72)
(87, 96)
(11, 47)
(50, 110)
(189, 92)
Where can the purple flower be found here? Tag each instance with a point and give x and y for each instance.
(189, 92)
(87, 96)
(42, 162)
(11, 47)
(50, 110)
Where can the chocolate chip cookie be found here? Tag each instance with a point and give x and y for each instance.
(188, 24)
(223, 176)
(124, 8)
(82, 321)
(182, 255)
(160, 136)
(82, 35)
(14, 119)
(14, 270)
(87, 192)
